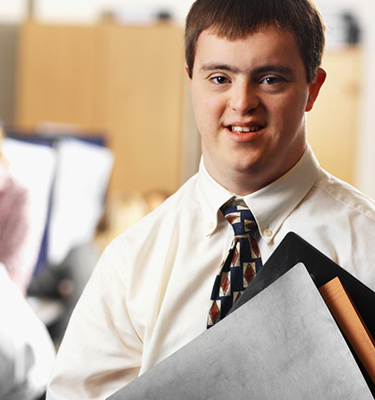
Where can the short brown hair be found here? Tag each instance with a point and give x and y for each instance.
(235, 19)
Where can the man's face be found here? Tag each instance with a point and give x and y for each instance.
(250, 96)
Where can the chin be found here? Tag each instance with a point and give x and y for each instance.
(246, 165)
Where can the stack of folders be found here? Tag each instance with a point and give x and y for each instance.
(284, 339)
(322, 270)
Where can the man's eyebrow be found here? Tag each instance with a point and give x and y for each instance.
(215, 67)
(276, 68)
(280, 69)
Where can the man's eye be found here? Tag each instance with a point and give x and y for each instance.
(220, 79)
(272, 80)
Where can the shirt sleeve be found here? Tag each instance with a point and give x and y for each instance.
(101, 351)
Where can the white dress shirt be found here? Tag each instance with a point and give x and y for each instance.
(150, 292)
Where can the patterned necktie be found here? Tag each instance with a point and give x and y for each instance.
(242, 263)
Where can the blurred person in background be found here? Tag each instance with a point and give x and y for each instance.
(15, 225)
(26, 349)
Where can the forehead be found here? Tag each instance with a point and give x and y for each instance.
(269, 45)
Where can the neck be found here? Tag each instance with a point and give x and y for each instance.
(241, 184)
(248, 181)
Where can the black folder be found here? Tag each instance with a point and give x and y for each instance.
(292, 250)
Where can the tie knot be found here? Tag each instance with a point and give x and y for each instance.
(237, 213)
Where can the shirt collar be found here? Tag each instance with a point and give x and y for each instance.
(211, 196)
(270, 205)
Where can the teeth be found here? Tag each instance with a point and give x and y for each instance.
(236, 128)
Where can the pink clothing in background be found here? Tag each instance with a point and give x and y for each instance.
(15, 229)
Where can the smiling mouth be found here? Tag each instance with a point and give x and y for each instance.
(245, 129)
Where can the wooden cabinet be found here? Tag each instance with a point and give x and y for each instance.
(333, 125)
(125, 81)
(56, 75)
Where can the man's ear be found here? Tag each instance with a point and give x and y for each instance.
(188, 75)
(314, 88)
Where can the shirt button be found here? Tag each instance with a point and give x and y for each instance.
(211, 225)
(267, 232)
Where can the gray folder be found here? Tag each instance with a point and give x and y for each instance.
(281, 344)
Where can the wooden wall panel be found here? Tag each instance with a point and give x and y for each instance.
(333, 124)
(56, 71)
(8, 45)
(145, 104)
(125, 81)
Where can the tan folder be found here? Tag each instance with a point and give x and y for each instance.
(350, 322)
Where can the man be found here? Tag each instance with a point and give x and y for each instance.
(254, 70)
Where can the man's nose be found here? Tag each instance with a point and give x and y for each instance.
(244, 98)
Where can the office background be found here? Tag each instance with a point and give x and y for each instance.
(358, 116)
